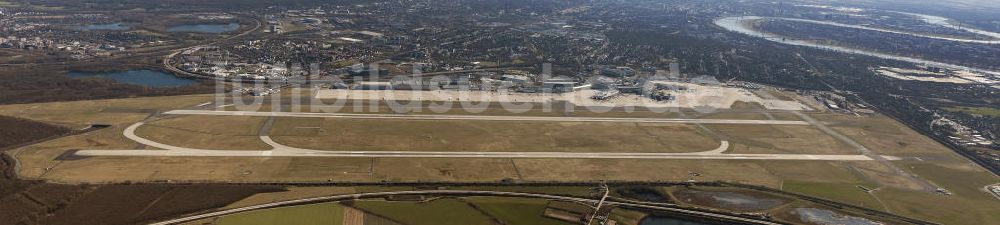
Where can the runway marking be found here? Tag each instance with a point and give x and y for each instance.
(280, 150)
(550, 155)
(484, 118)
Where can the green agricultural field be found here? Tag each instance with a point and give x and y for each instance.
(516, 210)
(446, 211)
(627, 217)
(325, 214)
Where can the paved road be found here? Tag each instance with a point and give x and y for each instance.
(637, 204)
(280, 150)
(486, 118)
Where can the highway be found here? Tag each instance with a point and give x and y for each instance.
(485, 118)
(334, 198)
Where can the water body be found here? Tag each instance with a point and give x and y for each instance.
(937, 20)
(966, 40)
(827, 217)
(737, 24)
(729, 200)
(109, 26)
(149, 78)
(204, 28)
(657, 220)
(742, 201)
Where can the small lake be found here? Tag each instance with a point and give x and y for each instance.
(822, 216)
(656, 220)
(109, 26)
(728, 200)
(204, 28)
(149, 78)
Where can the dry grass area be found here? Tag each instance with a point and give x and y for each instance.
(968, 204)
(644, 170)
(379, 135)
(884, 135)
(780, 139)
(111, 111)
(216, 169)
(833, 180)
(830, 172)
(134, 204)
(207, 132)
(39, 159)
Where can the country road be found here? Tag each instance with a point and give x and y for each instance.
(334, 198)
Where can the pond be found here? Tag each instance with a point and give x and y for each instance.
(204, 28)
(822, 216)
(149, 78)
(109, 26)
(658, 220)
(740, 201)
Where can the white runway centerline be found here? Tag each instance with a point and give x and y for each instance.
(484, 118)
(280, 150)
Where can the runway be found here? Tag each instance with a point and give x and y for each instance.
(482, 118)
(536, 155)
(279, 150)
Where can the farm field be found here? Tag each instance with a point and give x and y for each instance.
(446, 211)
(322, 213)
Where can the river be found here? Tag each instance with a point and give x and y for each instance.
(937, 20)
(738, 24)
